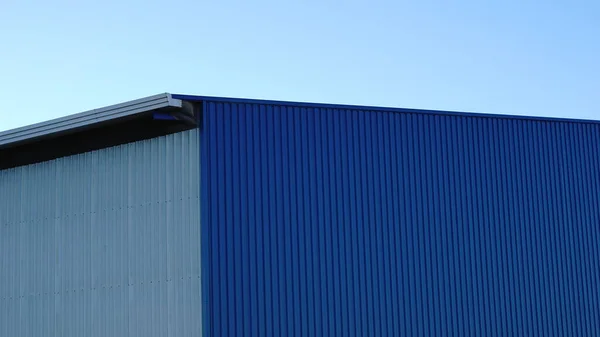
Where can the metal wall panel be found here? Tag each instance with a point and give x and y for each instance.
(105, 243)
(322, 221)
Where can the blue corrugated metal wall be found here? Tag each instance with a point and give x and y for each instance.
(322, 221)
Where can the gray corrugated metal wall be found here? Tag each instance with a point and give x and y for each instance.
(105, 243)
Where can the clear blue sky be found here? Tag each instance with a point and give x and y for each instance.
(515, 57)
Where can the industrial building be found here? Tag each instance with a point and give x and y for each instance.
(179, 215)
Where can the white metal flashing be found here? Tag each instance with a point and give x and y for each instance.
(88, 118)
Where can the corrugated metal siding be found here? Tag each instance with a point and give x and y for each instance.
(333, 222)
(105, 243)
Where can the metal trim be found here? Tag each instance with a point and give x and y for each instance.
(88, 118)
(312, 105)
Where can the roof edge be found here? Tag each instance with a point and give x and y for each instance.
(195, 98)
(89, 118)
